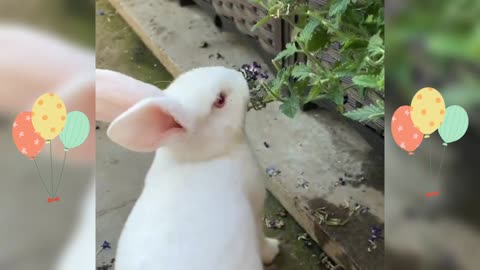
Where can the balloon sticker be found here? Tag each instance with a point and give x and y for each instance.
(455, 125)
(428, 110)
(76, 130)
(47, 120)
(49, 116)
(427, 114)
(405, 134)
(27, 140)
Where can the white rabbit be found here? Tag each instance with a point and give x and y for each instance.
(115, 93)
(201, 207)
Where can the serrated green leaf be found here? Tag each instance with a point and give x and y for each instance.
(318, 41)
(354, 44)
(290, 107)
(273, 89)
(349, 22)
(380, 19)
(301, 71)
(343, 74)
(370, 81)
(375, 43)
(338, 7)
(275, 84)
(307, 33)
(337, 97)
(300, 88)
(367, 113)
(290, 50)
(369, 19)
(381, 80)
(314, 94)
(336, 22)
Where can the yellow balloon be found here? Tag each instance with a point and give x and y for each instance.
(427, 110)
(49, 116)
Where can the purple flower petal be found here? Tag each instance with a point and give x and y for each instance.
(106, 245)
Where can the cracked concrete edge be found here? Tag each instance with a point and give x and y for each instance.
(167, 61)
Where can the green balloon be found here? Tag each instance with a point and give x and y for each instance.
(454, 125)
(76, 130)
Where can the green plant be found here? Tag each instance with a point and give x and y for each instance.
(357, 26)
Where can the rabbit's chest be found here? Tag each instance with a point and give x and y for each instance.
(239, 172)
(189, 176)
(169, 222)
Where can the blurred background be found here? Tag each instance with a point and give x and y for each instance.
(433, 44)
(46, 46)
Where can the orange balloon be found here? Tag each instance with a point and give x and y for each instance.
(405, 135)
(27, 140)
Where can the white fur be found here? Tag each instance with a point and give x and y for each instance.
(202, 203)
(79, 253)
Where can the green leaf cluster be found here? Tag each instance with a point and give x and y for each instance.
(356, 27)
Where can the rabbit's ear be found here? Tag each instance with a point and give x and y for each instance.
(117, 92)
(147, 125)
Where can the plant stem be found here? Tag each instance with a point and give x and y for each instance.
(348, 87)
(376, 115)
(275, 64)
(312, 58)
(256, 108)
(289, 20)
(271, 92)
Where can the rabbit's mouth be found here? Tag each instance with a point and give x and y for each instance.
(169, 128)
(171, 117)
(178, 127)
(171, 123)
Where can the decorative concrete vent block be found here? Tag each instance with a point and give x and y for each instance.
(242, 15)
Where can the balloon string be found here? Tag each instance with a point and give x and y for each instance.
(51, 166)
(61, 173)
(41, 178)
(430, 158)
(441, 161)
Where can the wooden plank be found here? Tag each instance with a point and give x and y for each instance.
(319, 147)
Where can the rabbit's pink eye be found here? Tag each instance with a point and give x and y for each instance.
(220, 101)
